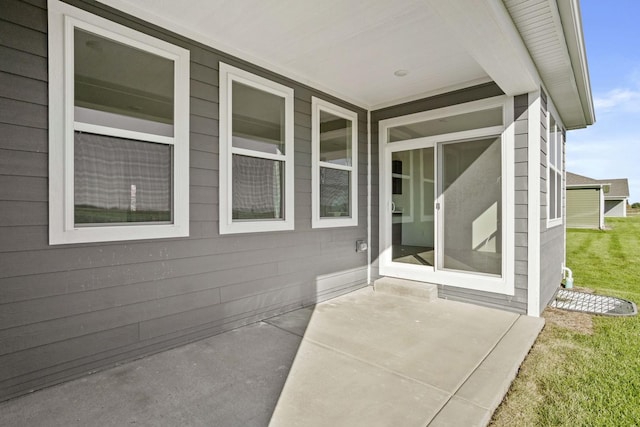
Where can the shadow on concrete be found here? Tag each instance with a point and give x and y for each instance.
(362, 359)
(231, 379)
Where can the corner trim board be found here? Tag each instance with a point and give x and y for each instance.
(533, 193)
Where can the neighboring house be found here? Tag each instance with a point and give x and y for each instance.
(585, 201)
(170, 170)
(590, 200)
(616, 200)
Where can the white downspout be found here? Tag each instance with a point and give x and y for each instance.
(568, 277)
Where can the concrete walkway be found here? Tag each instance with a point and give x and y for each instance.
(364, 359)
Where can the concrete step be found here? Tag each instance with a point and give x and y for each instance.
(406, 288)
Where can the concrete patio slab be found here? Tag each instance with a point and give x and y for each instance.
(339, 393)
(362, 359)
(466, 353)
(231, 379)
(439, 343)
(459, 412)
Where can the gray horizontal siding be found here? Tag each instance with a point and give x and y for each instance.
(28, 14)
(23, 113)
(521, 200)
(23, 39)
(23, 188)
(23, 89)
(23, 163)
(23, 63)
(552, 255)
(552, 240)
(22, 138)
(65, 310)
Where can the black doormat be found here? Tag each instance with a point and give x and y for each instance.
(592, 303)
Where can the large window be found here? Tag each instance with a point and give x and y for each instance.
(119, 131)
(555, 143)
(256, 153)
(334, 159)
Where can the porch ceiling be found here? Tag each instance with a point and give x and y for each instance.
(352, 48)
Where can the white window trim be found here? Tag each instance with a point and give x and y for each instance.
(502, 285)
(229, 74)
(62, 19)
(318, 105)
(558, 169)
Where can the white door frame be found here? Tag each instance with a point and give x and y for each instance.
(503, 284)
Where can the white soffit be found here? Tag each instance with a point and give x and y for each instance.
(351, 48)
(347, 48)
(485, 28)
(564, 73)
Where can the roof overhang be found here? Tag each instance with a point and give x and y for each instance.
(572, 25)
(552, 32)
(352, 48)
(603, 187)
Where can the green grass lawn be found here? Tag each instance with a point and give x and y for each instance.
(584, 370)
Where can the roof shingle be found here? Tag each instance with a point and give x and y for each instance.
(619, 187)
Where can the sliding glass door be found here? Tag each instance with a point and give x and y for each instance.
(471, 206)
(446, 214)
(467, 202)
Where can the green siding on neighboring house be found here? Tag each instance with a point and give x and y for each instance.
(583, 208)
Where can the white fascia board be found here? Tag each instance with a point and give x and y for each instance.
(486, 30)
(570, 16)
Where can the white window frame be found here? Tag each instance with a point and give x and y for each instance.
(228, 75)
(62, 20)
(318, 105)
(557, 169)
